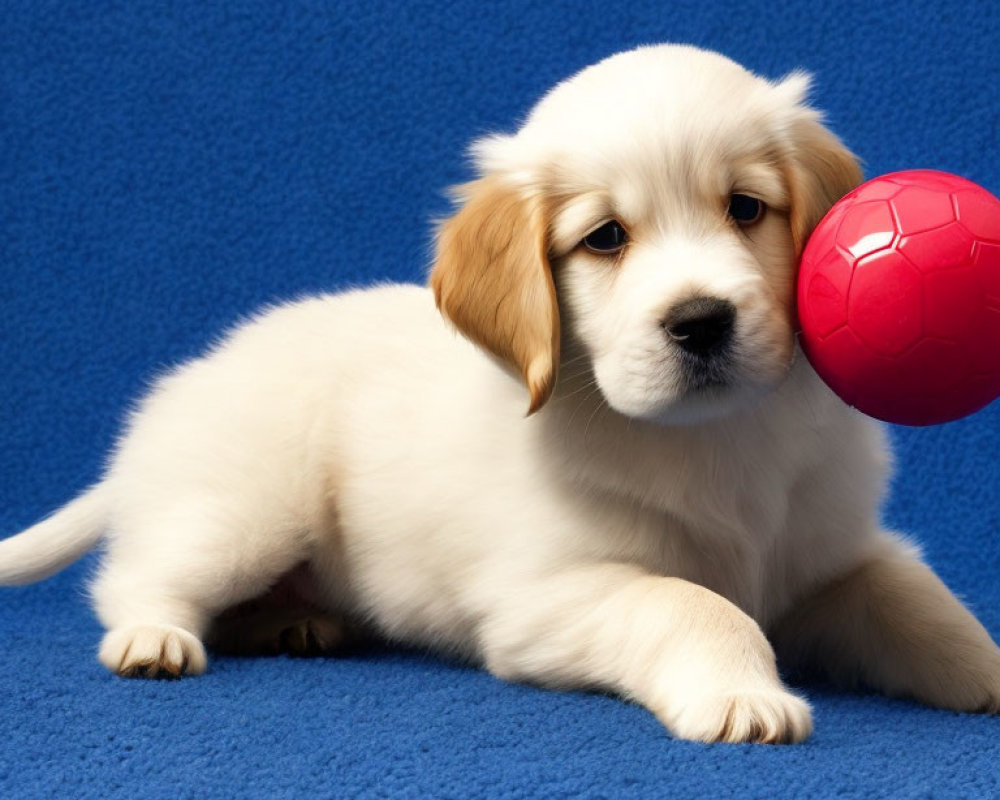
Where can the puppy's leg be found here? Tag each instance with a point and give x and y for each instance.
(891, 624)
(159, 587)
(687, 654)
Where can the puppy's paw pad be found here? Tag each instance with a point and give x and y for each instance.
(766, 716)
(152, 651)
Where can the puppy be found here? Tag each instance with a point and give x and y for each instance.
(683, 498)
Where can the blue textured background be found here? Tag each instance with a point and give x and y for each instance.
(167, 167)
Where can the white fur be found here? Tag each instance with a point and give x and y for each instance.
(632, 535)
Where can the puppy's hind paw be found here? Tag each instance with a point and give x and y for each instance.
(313, 636)
(152, 651)
(766, 716)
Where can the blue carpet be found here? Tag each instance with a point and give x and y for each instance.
(167, 167)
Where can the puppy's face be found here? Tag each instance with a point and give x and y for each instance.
(653, 207)
(670, 235)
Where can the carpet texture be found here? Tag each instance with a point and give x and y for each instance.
(166, 168)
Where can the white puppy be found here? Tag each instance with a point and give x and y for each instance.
(683, 485)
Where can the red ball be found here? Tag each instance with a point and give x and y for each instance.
(899, 297)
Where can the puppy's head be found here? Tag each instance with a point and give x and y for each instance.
(649, 214)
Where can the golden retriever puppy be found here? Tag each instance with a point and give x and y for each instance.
(683, 498)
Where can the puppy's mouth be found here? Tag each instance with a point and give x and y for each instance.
(714, 372)
(709, 386)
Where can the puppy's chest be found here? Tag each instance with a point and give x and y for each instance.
(725, 528)
(738, 563)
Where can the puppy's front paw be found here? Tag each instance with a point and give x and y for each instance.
(976, 693)
(152, 651)
(769, 715)
(974, 686)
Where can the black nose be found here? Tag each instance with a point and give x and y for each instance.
(702, 326)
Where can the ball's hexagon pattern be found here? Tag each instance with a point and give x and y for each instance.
(977, 215)
(899, 297)
(928, 179)
(951, 294)
(877, 190)
(952, 358)
(918, 209)
(866, 227)
(828, 288)
(943, 248)
(986, 259)
(885, 304)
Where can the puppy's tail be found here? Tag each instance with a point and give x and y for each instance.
(55, 542)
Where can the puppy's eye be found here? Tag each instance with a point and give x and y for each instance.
(746, 210)
(609, 238)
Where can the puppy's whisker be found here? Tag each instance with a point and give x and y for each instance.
(588, 384)
(591, 389)
(597, 409)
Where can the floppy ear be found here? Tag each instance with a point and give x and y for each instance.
(820, 171)
(819, 168)
(492, 279)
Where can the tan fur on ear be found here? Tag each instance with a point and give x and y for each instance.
(820, 172)
(492, 279)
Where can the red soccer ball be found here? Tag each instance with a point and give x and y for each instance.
(899, 297)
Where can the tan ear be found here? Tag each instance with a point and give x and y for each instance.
(821, 170)
(492, 279)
